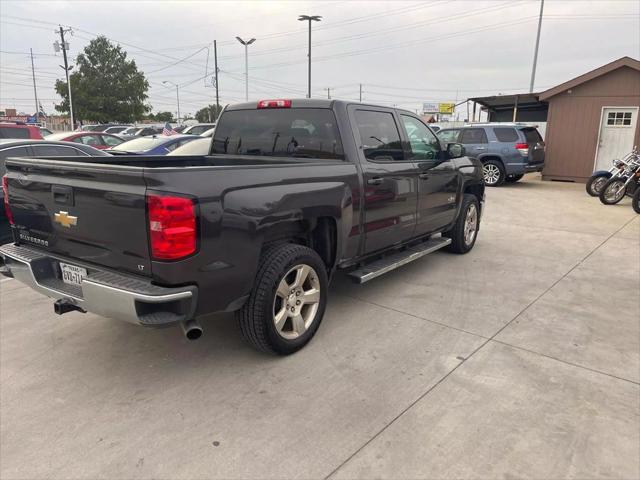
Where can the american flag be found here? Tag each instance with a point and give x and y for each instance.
(168, 130)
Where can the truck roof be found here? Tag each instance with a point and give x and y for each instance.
(309, 103)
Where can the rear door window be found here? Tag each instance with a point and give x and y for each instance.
(506, 134)
(282, 132)
(379, 136)
(14, 132)
(531, 135)
(473, 135)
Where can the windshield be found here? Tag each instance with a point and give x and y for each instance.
(299, 132)
(130, 130)
(141, 144)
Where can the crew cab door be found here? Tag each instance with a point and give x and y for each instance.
(438, 180)
(390, 180)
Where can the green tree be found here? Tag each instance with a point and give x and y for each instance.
(161, 117)
(202, 115)
(105, 86)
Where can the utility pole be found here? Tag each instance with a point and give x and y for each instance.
(309, 18)
(361, 92)
(246, 65)
(535, 53)
(328, 93)
(215, 64)
(167, 82)
(35, 92)
(64, 46)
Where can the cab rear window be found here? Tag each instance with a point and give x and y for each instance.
(290, 132)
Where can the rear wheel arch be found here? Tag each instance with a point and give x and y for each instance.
(319, 234)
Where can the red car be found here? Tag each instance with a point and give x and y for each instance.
(97, 140)
(19, 130)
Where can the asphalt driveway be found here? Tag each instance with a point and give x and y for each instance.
(518, 360)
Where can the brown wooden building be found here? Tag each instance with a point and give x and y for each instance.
(592, 119)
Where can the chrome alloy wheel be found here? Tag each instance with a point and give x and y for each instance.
(470, 224)
(597, 184)
(296, 301)
(491, 174)
(615, 191)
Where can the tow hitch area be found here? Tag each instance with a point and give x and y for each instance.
(63, 305)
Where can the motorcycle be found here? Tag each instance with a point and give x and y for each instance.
(635, 201)
(599, 178)
(624, 182)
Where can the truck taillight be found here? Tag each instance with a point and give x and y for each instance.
(274, 104)
(172, 226)
(523, 148)
(5, 195)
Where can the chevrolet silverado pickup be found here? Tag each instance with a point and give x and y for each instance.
(291, 192)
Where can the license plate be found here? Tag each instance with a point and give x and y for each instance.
(71, 274)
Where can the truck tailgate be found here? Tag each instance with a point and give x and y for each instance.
(83, 211)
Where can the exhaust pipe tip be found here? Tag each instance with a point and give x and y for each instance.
(191, 329)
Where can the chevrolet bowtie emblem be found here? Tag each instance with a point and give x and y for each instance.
(64, 219)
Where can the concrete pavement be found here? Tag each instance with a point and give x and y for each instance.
(518, 360)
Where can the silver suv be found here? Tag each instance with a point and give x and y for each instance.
(507, 150)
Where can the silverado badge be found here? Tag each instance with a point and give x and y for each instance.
(64, 219)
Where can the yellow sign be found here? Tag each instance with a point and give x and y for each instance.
(64, 219)
(446, 107)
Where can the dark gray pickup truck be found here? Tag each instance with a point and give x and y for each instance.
(291, 191)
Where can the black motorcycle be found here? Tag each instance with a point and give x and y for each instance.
(599, 178)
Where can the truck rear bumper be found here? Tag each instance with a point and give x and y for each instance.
(112, 295)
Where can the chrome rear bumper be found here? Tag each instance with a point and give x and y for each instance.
(112, 295)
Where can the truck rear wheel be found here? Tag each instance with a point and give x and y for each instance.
(464, 232)
(288, 299)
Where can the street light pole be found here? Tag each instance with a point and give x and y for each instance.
(246, 65)
(167, 82)
(309, 18)
(535, 53)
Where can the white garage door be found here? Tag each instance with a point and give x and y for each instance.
(617, 129)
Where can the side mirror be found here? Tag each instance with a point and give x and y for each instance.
(455, 150)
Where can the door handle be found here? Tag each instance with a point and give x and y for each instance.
(480, 148)
(375, 181)
(424, 176)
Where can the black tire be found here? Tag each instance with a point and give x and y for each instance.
(635, 201)
(605, 195)
(513, 178)
(596, 182)
(493, 172)
(459, 243)
(256, 317)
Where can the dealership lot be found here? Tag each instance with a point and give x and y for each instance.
(520, 359)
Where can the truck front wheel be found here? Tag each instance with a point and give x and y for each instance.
(287, 303)
(464, 232)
